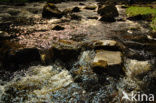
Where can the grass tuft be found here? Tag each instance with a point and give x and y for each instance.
(136, 10)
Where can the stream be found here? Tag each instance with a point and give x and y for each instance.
(74, 59)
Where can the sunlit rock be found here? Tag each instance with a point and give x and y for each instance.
(104, 57)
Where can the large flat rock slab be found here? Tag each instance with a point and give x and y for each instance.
(110, 57)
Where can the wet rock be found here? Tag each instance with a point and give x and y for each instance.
(109, 10)
(147, 17)
(58, 27)
(24, 56)
(76, 9)
(108, 45)
(91, 7)
(93, 17)
(108, 62)
(108, 57)
(107, 18)
(4, 35)
(108, 13)
(66, 51)
(67, 11)
(81, 4)
(50, 10)
(136, 68)
(75, 17)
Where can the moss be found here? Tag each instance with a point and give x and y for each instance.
(136, 10)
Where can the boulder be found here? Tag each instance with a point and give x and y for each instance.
(109, 10)
(108, 13)
(50, 11)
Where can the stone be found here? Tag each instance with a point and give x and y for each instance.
(108, 13)
(108, 45)
(91, 7)
(76, 9)
(109, 10)
(58, 27)
(21, 57)
(67, 11)
(4, 34)
(50, 11)
(109, 57)
(75, 17)
(66, 51)
(107, 18)
(136, 67)
(109, 62)
(147, 17)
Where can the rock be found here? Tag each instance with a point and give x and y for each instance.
(76, 9)
(108, 61)
(109, 10)
(107, 18)
(4, 34)
(136, 68)
(24, 56)
(58, 27)
(50, 10)
(110, 57)
(93, 17)
(81, 4)
(147, 17)
(108, 45)
(75, 17)
(108, 13)
(91, 7)
(67, 11)
(66, 51)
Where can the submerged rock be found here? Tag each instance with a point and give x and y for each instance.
(50, 10)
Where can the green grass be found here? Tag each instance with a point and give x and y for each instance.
(136, 10)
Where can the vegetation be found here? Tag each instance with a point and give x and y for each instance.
(136, 10)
